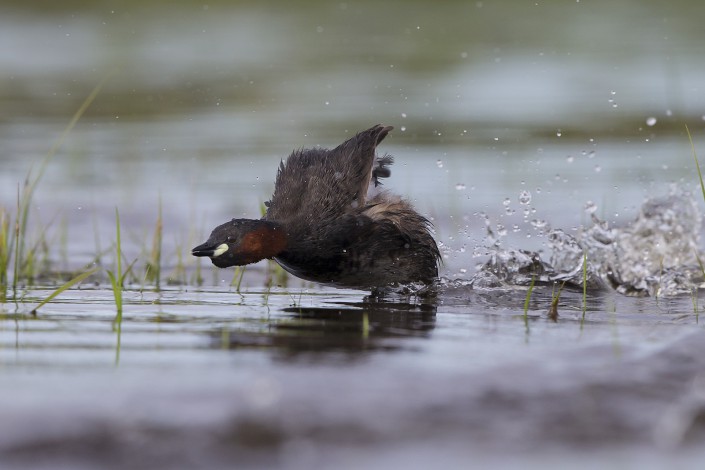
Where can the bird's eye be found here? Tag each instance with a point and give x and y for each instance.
(229, 239)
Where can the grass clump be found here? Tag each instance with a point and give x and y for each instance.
(117, 277)
(13, 242)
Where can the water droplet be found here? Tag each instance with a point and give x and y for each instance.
(506, 202)
(611, 100)
(590, 207)
(403, 115)
(650, 121)
(439, 163)
(598, 168)
(669, 112)
(524, 197)
(460, 186)
(570, 159)
(559, 133)
(403, 128)
(501, 230)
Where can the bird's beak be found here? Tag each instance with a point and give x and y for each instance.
(207, 249)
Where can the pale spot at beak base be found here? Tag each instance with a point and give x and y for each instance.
(222, 248)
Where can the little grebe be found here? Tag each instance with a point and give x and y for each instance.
(321, 224)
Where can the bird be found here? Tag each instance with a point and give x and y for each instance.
(329, 222)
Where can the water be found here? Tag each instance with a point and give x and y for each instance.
(520, 129)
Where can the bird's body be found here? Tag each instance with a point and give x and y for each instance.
(323, 224)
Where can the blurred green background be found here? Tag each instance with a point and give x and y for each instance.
(581, 66)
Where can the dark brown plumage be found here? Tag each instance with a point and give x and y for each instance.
(321, 224)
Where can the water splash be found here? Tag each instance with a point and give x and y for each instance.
(656, 254)
(524, 197)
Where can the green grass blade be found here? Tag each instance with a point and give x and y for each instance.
(526, 306)
(237, 277)
(31, 183)
(74, 119)
(695, 157)
(117, 277)
(127, 271)
(64, 287)
(112, 279)
(700, 263)
(528, 298)
(116, 290)
(4, 250)
(16, 237)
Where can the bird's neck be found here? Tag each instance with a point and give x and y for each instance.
(266, 239)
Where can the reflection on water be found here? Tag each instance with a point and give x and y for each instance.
(351, 331)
